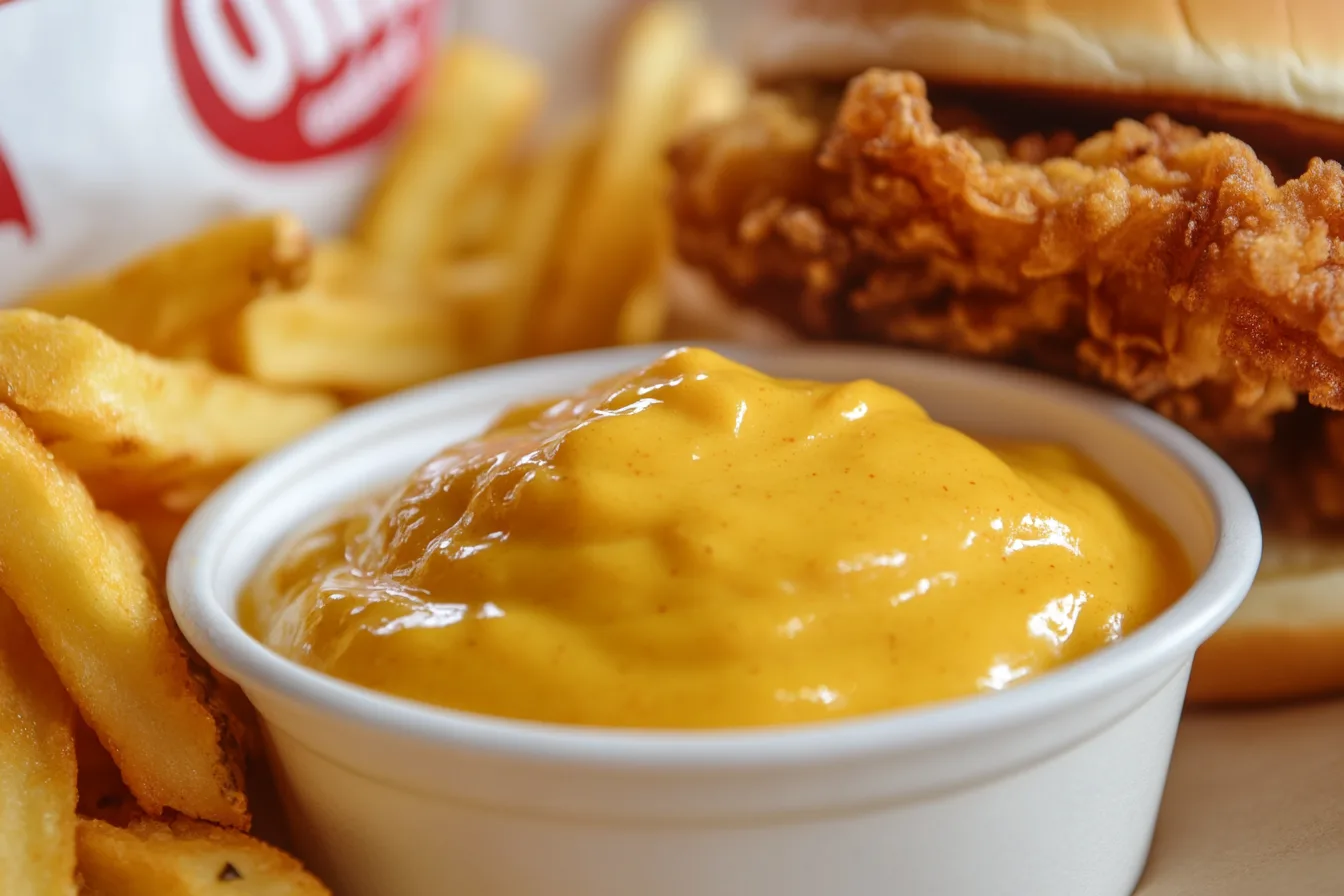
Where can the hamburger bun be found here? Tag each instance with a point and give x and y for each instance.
(1255, 69)
(1287, 640)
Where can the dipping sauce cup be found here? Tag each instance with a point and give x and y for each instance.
(1050, 787)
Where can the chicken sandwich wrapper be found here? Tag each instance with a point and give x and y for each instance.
(125, 125)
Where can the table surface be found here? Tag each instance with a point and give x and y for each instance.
(1254, 805)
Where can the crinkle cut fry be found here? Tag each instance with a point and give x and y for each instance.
(1159, 260)
(78, 577)
(180, 857)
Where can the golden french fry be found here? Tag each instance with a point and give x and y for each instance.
(185, 858)
(37, 768)
(645, 312)
(644, 316)
(339, 266)
(158, 526)
(716, 91)
(471, 292)
(78, 577)
(467, 281)
(131, 422)
(531, 236)
(614, 231)
(345, 270)
(480, 216)
(480, 101)
(158, 518)
(351, 345)
(226, 702)
(169, 301)
(363, 329)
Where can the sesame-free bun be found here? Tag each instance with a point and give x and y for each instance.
(1287, 639)
(1239, 57)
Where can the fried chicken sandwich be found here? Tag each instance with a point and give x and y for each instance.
(1140, 195)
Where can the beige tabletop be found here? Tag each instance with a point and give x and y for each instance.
(1254, 805)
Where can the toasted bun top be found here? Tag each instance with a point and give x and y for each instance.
(1283, 55)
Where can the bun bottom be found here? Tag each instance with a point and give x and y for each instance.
(1268, 665)
(1287, 640)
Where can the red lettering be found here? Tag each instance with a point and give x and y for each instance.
(286, 82)
(12, 210)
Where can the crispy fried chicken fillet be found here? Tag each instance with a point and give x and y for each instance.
(1163, 262)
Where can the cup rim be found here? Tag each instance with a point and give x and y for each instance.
(1162, 643)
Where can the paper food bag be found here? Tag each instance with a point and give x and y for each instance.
(126, 124)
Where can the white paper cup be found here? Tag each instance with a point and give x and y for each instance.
(1050, 788)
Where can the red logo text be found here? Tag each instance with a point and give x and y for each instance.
(12, 211)
(292, 80)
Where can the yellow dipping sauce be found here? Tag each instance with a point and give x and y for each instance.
(696, 545)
